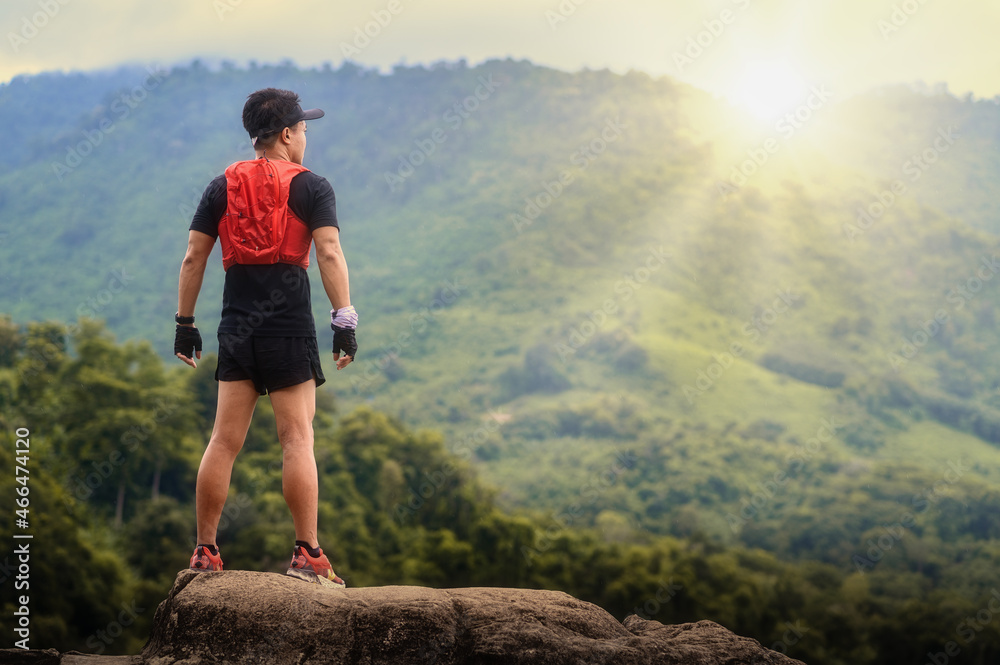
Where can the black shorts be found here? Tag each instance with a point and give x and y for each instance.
(272, 363)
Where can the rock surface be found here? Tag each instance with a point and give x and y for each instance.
(248, 617)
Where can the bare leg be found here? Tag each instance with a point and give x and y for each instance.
(294, 408)
(237, 400)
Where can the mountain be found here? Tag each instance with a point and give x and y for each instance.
(633, 309)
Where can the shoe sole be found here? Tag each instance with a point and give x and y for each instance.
(313, 578)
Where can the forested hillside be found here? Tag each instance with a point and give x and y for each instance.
(112, 438)
(659, 333)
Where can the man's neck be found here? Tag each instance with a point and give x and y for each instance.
(274, 154)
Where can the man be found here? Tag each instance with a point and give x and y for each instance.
(266, 213)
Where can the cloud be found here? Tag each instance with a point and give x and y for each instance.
(837, 42)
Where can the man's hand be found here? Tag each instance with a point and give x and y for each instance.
(187, 344)
(343, 340)
(343, 321)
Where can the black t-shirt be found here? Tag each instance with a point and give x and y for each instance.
(269, 300)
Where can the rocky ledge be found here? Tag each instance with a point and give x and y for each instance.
(248, 617)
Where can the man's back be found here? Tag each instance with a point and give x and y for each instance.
(276, 299)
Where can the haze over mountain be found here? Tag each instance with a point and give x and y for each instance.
(633, 308)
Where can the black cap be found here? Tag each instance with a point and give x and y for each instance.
(292, 118)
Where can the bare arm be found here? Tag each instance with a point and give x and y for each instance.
(192, 273)
(333, 271)
(332, 266)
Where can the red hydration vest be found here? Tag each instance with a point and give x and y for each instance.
(259, 227)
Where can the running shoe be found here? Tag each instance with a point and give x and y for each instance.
(313, 569)
(204, 560)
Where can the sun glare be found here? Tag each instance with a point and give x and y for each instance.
(768, 88)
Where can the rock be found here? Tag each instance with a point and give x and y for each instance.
(53, 657)
(29, 656)
(77, 658)
(242, 617)
(249, 617)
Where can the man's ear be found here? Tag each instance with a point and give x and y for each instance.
(286, 135)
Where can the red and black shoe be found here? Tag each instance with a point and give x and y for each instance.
(313, 569)
(204, 560)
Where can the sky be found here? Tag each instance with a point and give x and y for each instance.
(759, 53)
